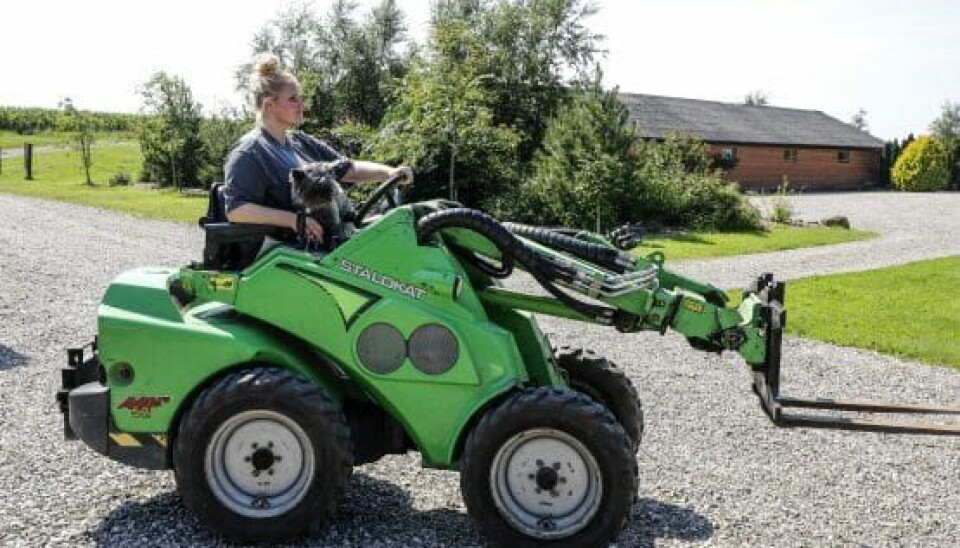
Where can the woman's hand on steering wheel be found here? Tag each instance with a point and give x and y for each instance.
(405, 173)
(401, 175)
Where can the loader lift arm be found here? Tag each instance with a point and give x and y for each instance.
(638, 293)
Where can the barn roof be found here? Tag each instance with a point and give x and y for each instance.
(656, 116)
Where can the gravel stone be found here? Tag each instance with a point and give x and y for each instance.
(713, 470)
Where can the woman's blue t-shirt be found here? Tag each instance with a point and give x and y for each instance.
(257, 169)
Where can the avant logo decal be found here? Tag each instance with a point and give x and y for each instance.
(141, 407)
(383, 280)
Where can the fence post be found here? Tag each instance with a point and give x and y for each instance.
(28, 160)
(1, 161)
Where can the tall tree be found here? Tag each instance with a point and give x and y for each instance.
(81, 125)
(756, 99)
(859, 120)
(891, 150)
(443, 122)
(946, 128)
(347, 68)
(584, 170)
(537, 50)
(170, 136)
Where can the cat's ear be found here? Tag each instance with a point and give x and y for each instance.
(297, 175)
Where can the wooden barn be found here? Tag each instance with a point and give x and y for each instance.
(767, 145)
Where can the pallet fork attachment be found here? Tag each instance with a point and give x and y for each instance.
(766, 384)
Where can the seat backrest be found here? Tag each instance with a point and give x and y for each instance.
(229, 246)
(233, 246)
(216, 206)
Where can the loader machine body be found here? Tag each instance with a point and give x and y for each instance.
(262, 379)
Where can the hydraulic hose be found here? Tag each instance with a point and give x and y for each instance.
(541, 267)
(503, 271)
(607, 257)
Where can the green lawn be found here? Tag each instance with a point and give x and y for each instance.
(700, 245)
(911, 310)
(59, 176)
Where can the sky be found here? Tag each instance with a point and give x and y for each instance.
(899, 61)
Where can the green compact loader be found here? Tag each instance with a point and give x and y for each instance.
(262, 374)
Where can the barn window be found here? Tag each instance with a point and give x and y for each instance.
(790, 155)
(728, 154)
(843, 156)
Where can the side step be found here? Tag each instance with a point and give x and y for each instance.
(766, 384)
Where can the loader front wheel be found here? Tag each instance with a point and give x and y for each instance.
(262, 455)
(603, 381)
(549, 467)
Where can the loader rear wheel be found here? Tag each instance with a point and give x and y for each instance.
(603, 381)
(262, 455)
(549, 467)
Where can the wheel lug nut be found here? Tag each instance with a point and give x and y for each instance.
(270, 471)
(270, 444)
(539, 463)
(256, 473)
(531, 476)
(246, 459)
(255, 445)
(556, 466)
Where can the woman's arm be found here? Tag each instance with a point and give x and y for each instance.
(360, 171)
(263, 215)
(363, 171)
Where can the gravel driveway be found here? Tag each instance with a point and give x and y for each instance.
(912, 227)
(713, 470)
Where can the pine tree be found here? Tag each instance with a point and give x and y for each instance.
(584, 170)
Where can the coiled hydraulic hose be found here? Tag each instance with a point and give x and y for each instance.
(607, 257)
(541, 267)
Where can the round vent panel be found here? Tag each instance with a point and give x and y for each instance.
(381, 348)
(433, 349)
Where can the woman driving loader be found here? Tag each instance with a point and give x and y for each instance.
(257, 188)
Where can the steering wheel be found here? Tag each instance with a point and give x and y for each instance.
(385, 190)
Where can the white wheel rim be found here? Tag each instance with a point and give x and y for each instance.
(546, 483)
(259, 464)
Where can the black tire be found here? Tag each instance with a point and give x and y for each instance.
(506, 483)
(603, 381)
(222, 432)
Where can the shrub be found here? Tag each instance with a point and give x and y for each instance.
(691, 200)
(922, 166)
(119, 179)
(591, 168)
(675, 186)
(782, 210)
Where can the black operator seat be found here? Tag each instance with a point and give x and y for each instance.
(229, 246)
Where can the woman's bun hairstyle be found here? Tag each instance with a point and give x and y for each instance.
(267, 79)
(267, 65)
